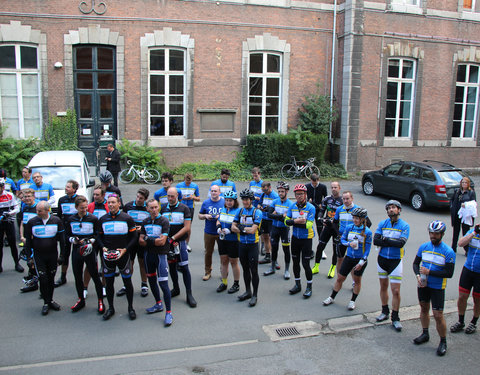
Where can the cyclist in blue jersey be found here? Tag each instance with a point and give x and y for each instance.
(43, 191)
(256, 185)
(433, 265)
(265, 205)
(209, 212)
(28, 209)
(224, 183)
(228, 243)
(280, 232)
(301, 216)
(470, 278)
(10, 185)
(357, 237)
(161, 194)
(246, 223)
(190, 194)
(26, 181)
(391, 236)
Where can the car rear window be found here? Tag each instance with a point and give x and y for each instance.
(451, 177)
(58, 176)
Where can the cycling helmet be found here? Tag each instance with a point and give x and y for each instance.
(359, 212)
(437, 226)
(230, 194)
(394, 202)
(3, 173)
(105, 176)
(247, 193)
(300, 187)
(283, 185)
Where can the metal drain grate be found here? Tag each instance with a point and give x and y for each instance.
(288, 331)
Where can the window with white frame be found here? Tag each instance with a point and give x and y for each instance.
(20, 107)
(265, 79)
(469, 5)
(167, 75)
(466, 101)
(406, 2)
(400, 97)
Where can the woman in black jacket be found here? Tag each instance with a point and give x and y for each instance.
(463, 194)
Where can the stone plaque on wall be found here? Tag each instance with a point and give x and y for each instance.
(217, 120)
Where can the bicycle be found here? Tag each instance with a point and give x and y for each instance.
(149, 175)
(293, 169)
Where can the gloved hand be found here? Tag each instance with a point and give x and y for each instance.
(86, 249)
(150, 241)
(477, 229)
(226, 231)
(241, 228)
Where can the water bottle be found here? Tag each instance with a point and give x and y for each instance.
(423, 279)
(176, 248)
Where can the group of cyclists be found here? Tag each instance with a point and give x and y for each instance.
(156, 231)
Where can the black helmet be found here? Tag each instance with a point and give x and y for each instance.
(283, 185)
(247, 193)
(105, 176)
(359, 212)
(393, 202)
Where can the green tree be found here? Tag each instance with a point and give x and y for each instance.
(315, 115)
(61, 133)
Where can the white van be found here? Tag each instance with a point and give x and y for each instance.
(57, 167)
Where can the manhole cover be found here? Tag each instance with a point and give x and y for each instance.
(292, 330)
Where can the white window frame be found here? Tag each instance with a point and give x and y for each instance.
(399, 81)
(466, 85)
(265, 75)
(18, 71)
(407, 2)
(166, 73)
(472, 9)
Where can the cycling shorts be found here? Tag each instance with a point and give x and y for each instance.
(436, 296)
(124, 266)
(229, 248)
(469, 280)
(348, 264)
(390, 268)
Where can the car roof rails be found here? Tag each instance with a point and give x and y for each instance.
(440, 162)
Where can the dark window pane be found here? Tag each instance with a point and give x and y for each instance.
(457, 112)
(84, 81)
(393, 169)
(85, 106)
(462, 73)
(473, 78)
(256, 86)
(469, 112)
(273, 86)
(404, 127)
(273, 63)
(407, 69)
(86, 130)
(392, 90)
(393, 68)
(456, 129)
(271, 124)
(157, 126)
(254, 125)
(176, 126)
(157, 59)
(272, 106)
(471, 95)
(176, 85)
(28, 57)
(176, 109)
(389, 128)
(405, 110)
(256, 63)
(255, 106)
(468, 129)
(459, 94)
(391, 109)
(157, 105)
(157, 84)
(84, 58)
(105, 80)
(406, 91)
(176, 60)
(427, 175)
(105, 58)
(106, 106)
(7, 57)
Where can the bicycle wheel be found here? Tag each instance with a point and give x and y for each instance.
(311, 170)
(289, 171)
(127, 175)
(151, 176)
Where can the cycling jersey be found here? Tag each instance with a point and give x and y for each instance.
(435, 258)
(22, 184)
(248, 217)
(81, 227)
(155, 228)
(473, 256)
(112, 189)
(66, 207)
(302, 231)
(212, 208)
(188, 191)
(353, 232)
(10, 185)
(138, 213)
(266, 200)
(8, 206)
(281, 208)
(44, 192)
(316, 193)
(176, 215)
(256, 187)
(161, 195)
(227, 215)
(42, 238)
(117, 231)
(28, 212)
(400, 229)
(329, 206)
(224, 187)
(98, 209)
(343, 217)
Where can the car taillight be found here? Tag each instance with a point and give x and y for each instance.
(441, 189)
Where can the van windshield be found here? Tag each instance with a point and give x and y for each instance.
(58, 176)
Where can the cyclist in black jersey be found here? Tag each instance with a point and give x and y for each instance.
(81, 231)
(110, 189)
(42, 233)
(117, 235)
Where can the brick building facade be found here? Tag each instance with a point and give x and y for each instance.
(194, 77)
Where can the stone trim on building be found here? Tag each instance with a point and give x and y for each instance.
(94, 34)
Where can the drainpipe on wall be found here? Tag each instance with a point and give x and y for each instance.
(332, 77)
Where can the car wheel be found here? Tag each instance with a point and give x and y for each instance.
(417, 201)
(368, 187)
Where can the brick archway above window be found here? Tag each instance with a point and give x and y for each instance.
(470, 54)
(405, 50)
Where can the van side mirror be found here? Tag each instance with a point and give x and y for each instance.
(91, 183)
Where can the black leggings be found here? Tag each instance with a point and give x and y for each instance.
(456, 233)
(276, 235)
(248, 254)
(8, 228)
(46, 264)
(325, 233)
(77, 267)
(302, 250)
(123, 265)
